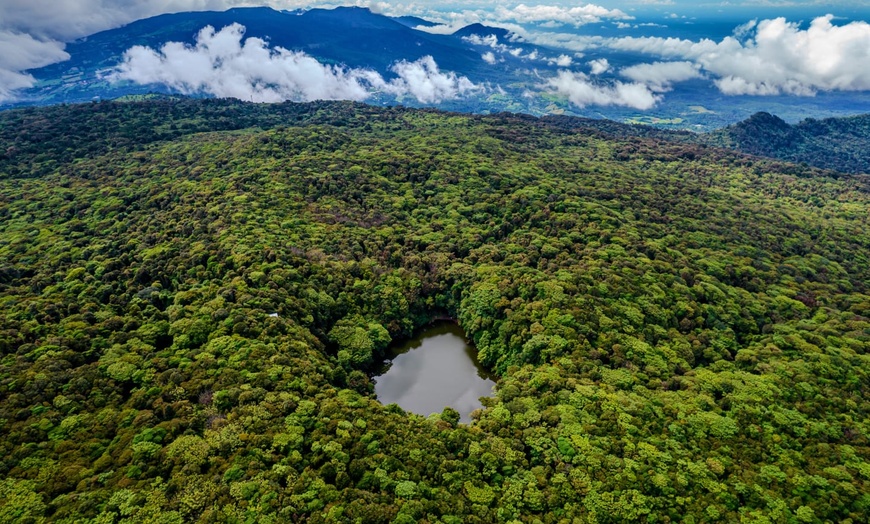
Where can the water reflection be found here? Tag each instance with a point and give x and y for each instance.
(435, 369)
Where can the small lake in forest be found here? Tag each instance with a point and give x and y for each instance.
(434, 369)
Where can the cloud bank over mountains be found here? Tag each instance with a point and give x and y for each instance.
(225, 64)
(19, 52)
(763, 57)
(583, 92)
(773, 57)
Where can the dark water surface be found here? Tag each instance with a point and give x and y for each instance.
(435, 369)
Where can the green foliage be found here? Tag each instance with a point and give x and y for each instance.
(358, 341)
(839, 144)
(186, 326)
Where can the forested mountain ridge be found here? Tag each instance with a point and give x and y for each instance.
(37, 140)
(681, 332)
(837, 144)
(840, 144)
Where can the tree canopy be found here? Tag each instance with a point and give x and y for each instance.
(188, 320)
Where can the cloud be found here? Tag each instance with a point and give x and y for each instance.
(659, 76)
(664, 47)
(562, 61)
(547, 16)
(779, 57)
(489, 57)
(582, 93)
(67, 20)
(489, 40)
(566, 41)
(19, 52)
(599, 66)
(224, 64)
(425, 82)
(51, 22)
(492, 42)
(33, 32)
(576, 16)
(441, 29)
(774, 57)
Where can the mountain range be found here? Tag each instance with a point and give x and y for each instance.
(349, 37)
(840, 144)
(354, 53)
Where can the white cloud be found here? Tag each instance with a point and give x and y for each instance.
(489, 57)
(659, 76)
(576, 16)
(762, 57)
(221, 63)
(745, 29)
(775, 57)
(599, 66)
(32, 32)
(562, 61)
(548, 16)
(489, 40)
(582, 93)
(566, 41)
(492, 42)
(779, 57)
(67, 20)
(19, 52)
(442, 29)
(664, 47)
(425, 82)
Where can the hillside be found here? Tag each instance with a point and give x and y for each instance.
(192, 295)
(348, 37)
(38, 140)
(840, 144)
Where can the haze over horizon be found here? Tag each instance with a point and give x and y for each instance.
(797, 48)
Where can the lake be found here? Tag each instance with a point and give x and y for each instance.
(435, 369)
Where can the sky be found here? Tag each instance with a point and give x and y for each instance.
(797, 47)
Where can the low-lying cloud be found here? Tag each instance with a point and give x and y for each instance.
(773, 57)
(768, 57)
(547, 14)
(225, 64)
(424, 81)
(19, 52)
(660, 76)
(33, 32)
(582, 92)
(782, 58)
(512, 19)
(599, 66)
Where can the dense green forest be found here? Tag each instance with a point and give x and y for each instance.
(193, 294)
(841, 144)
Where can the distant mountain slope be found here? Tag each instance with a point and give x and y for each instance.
(414, 21)
(352, 36)
(840, 144)
(347, 36)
